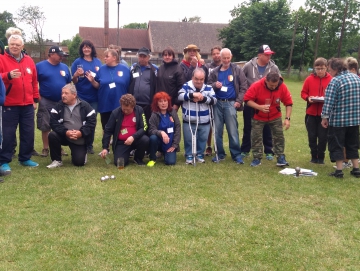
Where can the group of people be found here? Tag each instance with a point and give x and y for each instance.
(139, 105)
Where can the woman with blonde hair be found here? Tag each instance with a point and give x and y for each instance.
(192, 60)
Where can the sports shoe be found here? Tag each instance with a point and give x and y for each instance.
(239, 160)
(63, 153)
(244, 154)
(132, 153)
(220, 158)
(269, 156)
(44, 153)
(200, 158)
(151, 163)
(159, 154)
(256, 162)
(29, 163)
(90, 150)
(189, 160)
(355, 172)
(34, 153)
(55, 164)
(320, 161)
(337, 174)
(5, 169)
(139, 162)
(281, 161)
(208, 151)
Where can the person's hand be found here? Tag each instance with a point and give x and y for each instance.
(286, 124)
(171, 149)
(79, 72)
(310, 99)
(103, 153)
(35, 106)
(15, 74)
(129, 141)
(264, 108)
(89, 76)
(194, 62)
(218, 85)
(165, 137)
(237, 105)
(197, 97)
(325, 123)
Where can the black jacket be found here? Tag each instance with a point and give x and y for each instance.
(170, 79)
(88, 118)
(113, 126)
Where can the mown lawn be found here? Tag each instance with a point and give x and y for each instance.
(209, 217)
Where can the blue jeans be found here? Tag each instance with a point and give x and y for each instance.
(94, 105)
(155, 145)
(12, 117)
(225, 113)
(201, 137)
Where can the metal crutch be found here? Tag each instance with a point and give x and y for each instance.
(212, 122)
(193, 134)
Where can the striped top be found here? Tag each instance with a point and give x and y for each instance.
(189, 108)
(342, 100)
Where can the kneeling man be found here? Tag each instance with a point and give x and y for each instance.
(72, 122)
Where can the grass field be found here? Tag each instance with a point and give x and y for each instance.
(209, 217)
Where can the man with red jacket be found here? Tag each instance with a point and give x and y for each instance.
(265, 96)
(314, 87)
(19, 75)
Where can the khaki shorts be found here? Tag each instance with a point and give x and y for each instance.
(43, 114)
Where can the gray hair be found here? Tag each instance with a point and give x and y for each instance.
(198, 70)
(71, 87)
(16, 37)
(227, 50)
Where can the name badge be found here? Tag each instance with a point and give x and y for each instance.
(135, 74)
(170, 130)
(124, 131)
(224, 89)
(92, 74)
(112, 85)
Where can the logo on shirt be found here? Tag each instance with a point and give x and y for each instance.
(62, 73)
(230, 78)
(277, 101)
(120, 73)
(134, 119)
(96, 68)
(28, 70)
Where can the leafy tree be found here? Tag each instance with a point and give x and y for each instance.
(6, 21)
(66, 42)
(256, 23)
(74, 48)
(136, 26)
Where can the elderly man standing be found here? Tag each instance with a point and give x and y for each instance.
(72, 122)
(229, 83)
(53, 76)
(196, 97)
(256, 69)
(341, 115)
(19, 75)
(265, 97)
(143, 81)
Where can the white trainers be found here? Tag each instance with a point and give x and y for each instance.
(55, 164)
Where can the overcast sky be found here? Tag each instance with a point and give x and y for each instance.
(64, 17)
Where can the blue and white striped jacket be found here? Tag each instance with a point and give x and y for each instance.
(189, 107)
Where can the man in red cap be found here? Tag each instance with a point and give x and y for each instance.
(256, 69)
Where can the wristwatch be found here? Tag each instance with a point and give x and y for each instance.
(287, 118)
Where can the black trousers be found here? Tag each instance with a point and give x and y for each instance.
(121, 150)
(78, 152)
(317, 136)
(340, 137)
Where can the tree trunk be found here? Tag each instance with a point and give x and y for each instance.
(303, 49)
(318, 35)
(292, 45)
(342, 29)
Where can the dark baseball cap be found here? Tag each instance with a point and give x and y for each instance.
(144, 51)
(57, 50)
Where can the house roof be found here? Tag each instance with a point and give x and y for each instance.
(129, 38)
(180, 34)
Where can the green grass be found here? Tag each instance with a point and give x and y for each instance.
(209, 217)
